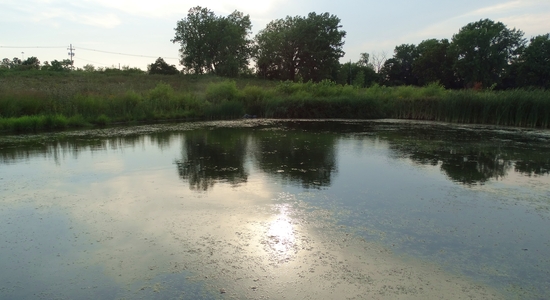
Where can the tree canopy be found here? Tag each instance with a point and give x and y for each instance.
(484, 51)
(434, 64)
(399, 69)
(161, 67)
(534, 68)
(214, 44)
(58, 66)
(31, 63)
(307, 47)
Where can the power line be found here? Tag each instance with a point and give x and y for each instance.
(71, 48)
(40, 47)
(125, 54)
(88, 49)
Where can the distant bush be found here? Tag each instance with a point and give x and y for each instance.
(254, 99)
(161, 67)
(102, 120)
(77, 121)
(222, 91)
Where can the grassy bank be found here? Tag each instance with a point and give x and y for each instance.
(33, 102)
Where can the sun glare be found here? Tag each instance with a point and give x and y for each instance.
(280, 235)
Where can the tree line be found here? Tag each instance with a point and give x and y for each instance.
(33, 63)
(483, 54)
(66, 65)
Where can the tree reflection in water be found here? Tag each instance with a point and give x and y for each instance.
(466, 156)
(303, 153)
(212, 156)
(298, 157)
(219, 155)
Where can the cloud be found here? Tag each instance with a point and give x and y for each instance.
(55, 13)
(167, 8)
(529, 16)
(499, 8)
(523, 15)
(106, 21)
(531, 24)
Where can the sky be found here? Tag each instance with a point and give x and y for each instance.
(107, 33)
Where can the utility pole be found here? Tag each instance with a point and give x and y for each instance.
(71, 54)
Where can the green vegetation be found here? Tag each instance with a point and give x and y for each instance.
(297, 47)
(483, 55)
(161, 67)
(33, 103)
(212, 44)
(484, 51)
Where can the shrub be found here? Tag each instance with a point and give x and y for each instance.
(254, 98)
(102, 120)
(434, 89)
(77, 121)
(325, 88)
(222, 91)
(125, 104)
(54, 122)
(161, 91)
(288, 87)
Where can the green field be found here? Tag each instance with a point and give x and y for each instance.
(51, 101)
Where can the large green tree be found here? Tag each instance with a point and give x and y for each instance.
(398, 70)
(434, 63)
(214, 44)
(277, 48)
(305, 47)
(484, 51)
(534, 69)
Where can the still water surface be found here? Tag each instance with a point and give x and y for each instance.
(274, 209)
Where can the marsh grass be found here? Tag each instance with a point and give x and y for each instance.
(41, 123)
(34, 103)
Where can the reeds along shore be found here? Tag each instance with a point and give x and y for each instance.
(55, 102)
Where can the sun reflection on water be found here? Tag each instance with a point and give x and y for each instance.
(281, 239)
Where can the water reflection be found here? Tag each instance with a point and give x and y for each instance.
(212, 156)
(280, 236)
(470, 157)
(124, 211)
(14, 149)
(303, 152)
(534, 167)
(298, 157)
(467, 166)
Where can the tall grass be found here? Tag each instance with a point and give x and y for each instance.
(41, 122)
(36, 103)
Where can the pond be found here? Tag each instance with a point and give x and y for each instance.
(252, 209)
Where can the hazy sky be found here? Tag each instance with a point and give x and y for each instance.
(144, 28)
